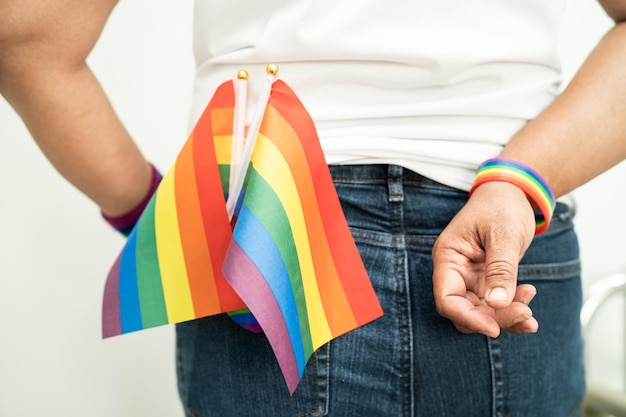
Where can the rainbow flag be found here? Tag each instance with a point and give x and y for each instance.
(292, 258)
(286, 261)
(170, 269)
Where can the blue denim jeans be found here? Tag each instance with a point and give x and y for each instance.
(412, 361)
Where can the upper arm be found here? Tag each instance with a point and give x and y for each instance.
(35, 32)
(616, 9)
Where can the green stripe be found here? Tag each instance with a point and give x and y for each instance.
(151, 299)
(224, 176)
(244, 310)
(527, 175)
(263, 202)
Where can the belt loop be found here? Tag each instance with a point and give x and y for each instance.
(394, 183)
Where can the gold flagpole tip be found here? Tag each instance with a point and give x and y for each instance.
(242, 75)
(272, 69)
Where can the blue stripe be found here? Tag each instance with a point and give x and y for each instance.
(243, 319)
(256, 242)
(130, 313)
(240, 202)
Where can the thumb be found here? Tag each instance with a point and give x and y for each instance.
(501, 263)
(504, 239)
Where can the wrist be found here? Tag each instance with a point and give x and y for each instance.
(537, 190)
(124, 223)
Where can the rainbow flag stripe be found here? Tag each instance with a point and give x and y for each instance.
(170, 269)
(292, 258)
(285, 263)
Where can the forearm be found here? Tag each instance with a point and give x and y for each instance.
(43, 75)
(73, 123)
(583, 133)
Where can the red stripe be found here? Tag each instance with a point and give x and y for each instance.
(200, 271)
(336, 306)
(215, 219)
(351, 279)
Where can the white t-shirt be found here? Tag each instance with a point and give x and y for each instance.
(436, 86)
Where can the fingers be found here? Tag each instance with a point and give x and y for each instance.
(475, 263)
(460, 296)
(471, 314)
(524, 293)
(468, 317)
(452, 275)
(518, 317)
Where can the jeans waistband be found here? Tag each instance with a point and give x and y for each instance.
(379, 173)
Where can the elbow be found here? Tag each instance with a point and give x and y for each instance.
(27, 59)
(7, 67)
(19, 49)
(6, 51)
(39, 45)
(41, 40)
(16, 65)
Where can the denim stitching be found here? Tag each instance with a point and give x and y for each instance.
(421, 182)
(327, 380)
(348, 180)
(316, 386)
(400, 330)
(406, 398)
(182, 385)
(394, 224)
(549, 272)
(503, 376)
(415, 241)
(495, 348)
(409, 341)
(396, 198)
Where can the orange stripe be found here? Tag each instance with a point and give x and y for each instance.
(195, 248)
(338, 312)
(354, 280)
(222, 127)
(222, 121)
(212, 205)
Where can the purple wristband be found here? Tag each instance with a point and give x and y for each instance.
(125, 223)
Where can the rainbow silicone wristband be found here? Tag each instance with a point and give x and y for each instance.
(126, 222)
(524, 177)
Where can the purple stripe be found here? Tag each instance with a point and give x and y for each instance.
(253, 327)
(111, 322)
(247, 280)
(246, 320)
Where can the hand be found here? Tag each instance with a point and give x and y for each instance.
(476, 259)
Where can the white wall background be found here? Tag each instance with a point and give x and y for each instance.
(55, 252)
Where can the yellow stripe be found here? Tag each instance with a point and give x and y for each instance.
(223, 149)
(271, 165)
(169, 250)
